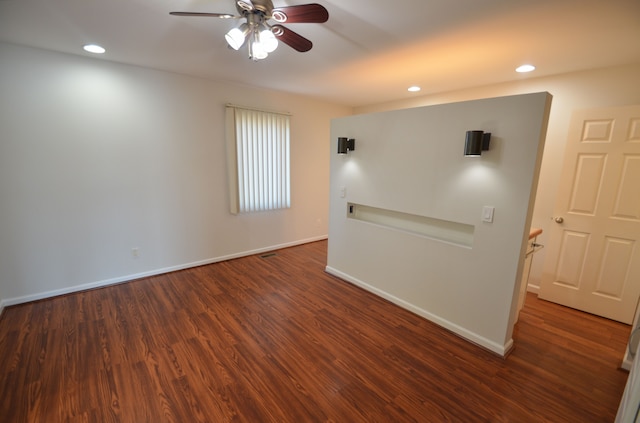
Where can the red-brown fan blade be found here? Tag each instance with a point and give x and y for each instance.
(304, 13)
(292, 39)
(215, 15)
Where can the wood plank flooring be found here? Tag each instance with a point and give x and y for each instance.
(277, 339)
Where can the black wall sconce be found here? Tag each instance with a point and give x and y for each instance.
(346, 144)
(476, 142)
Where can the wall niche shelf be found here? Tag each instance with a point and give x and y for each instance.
(441, 230)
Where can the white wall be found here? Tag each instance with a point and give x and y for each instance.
(97, 158)
(411, 161)
(615, 86)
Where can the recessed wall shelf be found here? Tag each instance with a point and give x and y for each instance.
(441, 230)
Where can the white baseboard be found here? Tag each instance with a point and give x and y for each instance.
(627, 361)
(501, 350)
(100, 284)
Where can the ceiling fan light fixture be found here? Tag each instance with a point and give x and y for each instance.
(258, 35)
(268, 40)
(257, 50)
(236, 36)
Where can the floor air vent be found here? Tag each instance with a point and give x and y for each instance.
(267, 255)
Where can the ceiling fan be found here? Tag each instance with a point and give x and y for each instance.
(261, 35)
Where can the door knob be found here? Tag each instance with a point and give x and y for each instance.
(559, 219)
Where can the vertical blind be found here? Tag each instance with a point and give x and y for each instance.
(261, 146)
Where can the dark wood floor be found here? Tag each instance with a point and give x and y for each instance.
(276, 339)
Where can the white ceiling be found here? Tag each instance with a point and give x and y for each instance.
(368, 52)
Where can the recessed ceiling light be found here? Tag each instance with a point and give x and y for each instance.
(94, 48)
(525, 68)
(413, 89)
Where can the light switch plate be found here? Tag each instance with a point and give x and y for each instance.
(487, 214)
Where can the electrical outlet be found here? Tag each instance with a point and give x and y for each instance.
(135, 252)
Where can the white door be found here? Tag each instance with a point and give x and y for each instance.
(593, 256)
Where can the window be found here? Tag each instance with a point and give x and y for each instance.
(258, 157)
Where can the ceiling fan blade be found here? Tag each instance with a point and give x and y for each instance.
(244, 6)
(214, 15)
(304, 13)
(291, 38)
